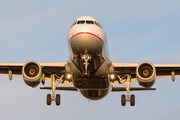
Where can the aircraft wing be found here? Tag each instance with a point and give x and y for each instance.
(162, 70)
(16, 68)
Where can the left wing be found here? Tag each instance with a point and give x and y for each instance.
(161, 70)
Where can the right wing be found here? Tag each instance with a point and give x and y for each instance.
(15, 69)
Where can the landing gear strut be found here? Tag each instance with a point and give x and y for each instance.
(86, 57)
(129, 98)
(57, 99)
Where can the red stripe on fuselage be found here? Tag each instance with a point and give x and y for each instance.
(69, 59)
(86, 33)
(108, 60)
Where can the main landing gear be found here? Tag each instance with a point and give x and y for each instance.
(56, 98)
(129, 98)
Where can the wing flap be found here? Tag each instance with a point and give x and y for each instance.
(120, 89)
(61, 88)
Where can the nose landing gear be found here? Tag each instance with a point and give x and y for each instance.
(86, 57)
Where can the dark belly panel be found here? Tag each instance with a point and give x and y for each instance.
(94, 94)
(91, 83)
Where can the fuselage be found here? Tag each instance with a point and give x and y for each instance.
(89, 60)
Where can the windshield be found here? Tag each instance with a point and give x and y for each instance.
(89, 22)
(81, 22)
(98, 24)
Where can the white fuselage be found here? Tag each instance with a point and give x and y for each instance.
(89, 61)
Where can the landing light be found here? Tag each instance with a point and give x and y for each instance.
(112, 76)
(68, 76)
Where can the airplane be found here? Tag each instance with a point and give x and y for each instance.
(89, 69)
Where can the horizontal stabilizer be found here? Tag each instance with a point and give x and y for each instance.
(61, 88)
(119, 89)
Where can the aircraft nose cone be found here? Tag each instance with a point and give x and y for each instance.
(87, 40)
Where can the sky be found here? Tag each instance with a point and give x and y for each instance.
(137, 31)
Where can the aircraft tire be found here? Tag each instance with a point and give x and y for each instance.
(132, 100)
(48, 99)
(58, 99)
(123, 100)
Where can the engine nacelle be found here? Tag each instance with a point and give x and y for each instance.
(32, 73)
(146, 74)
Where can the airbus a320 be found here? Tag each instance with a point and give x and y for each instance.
(89, 69)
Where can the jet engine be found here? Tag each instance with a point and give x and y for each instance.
(32, 73)
(146, 74)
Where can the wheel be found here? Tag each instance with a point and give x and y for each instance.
(48, 99)
(132, 100)
(58, 99)
(123, 100)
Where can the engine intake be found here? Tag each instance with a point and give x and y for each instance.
(146, 74)
(32, 73)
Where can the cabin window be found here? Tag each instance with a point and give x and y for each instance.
(98, 24)
(89, 22)
(81, 22)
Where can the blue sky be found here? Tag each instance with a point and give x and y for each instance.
(137, 31)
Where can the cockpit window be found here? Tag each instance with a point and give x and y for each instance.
(89, 22)
(98, 24)
(73, 24)
(81, 22)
